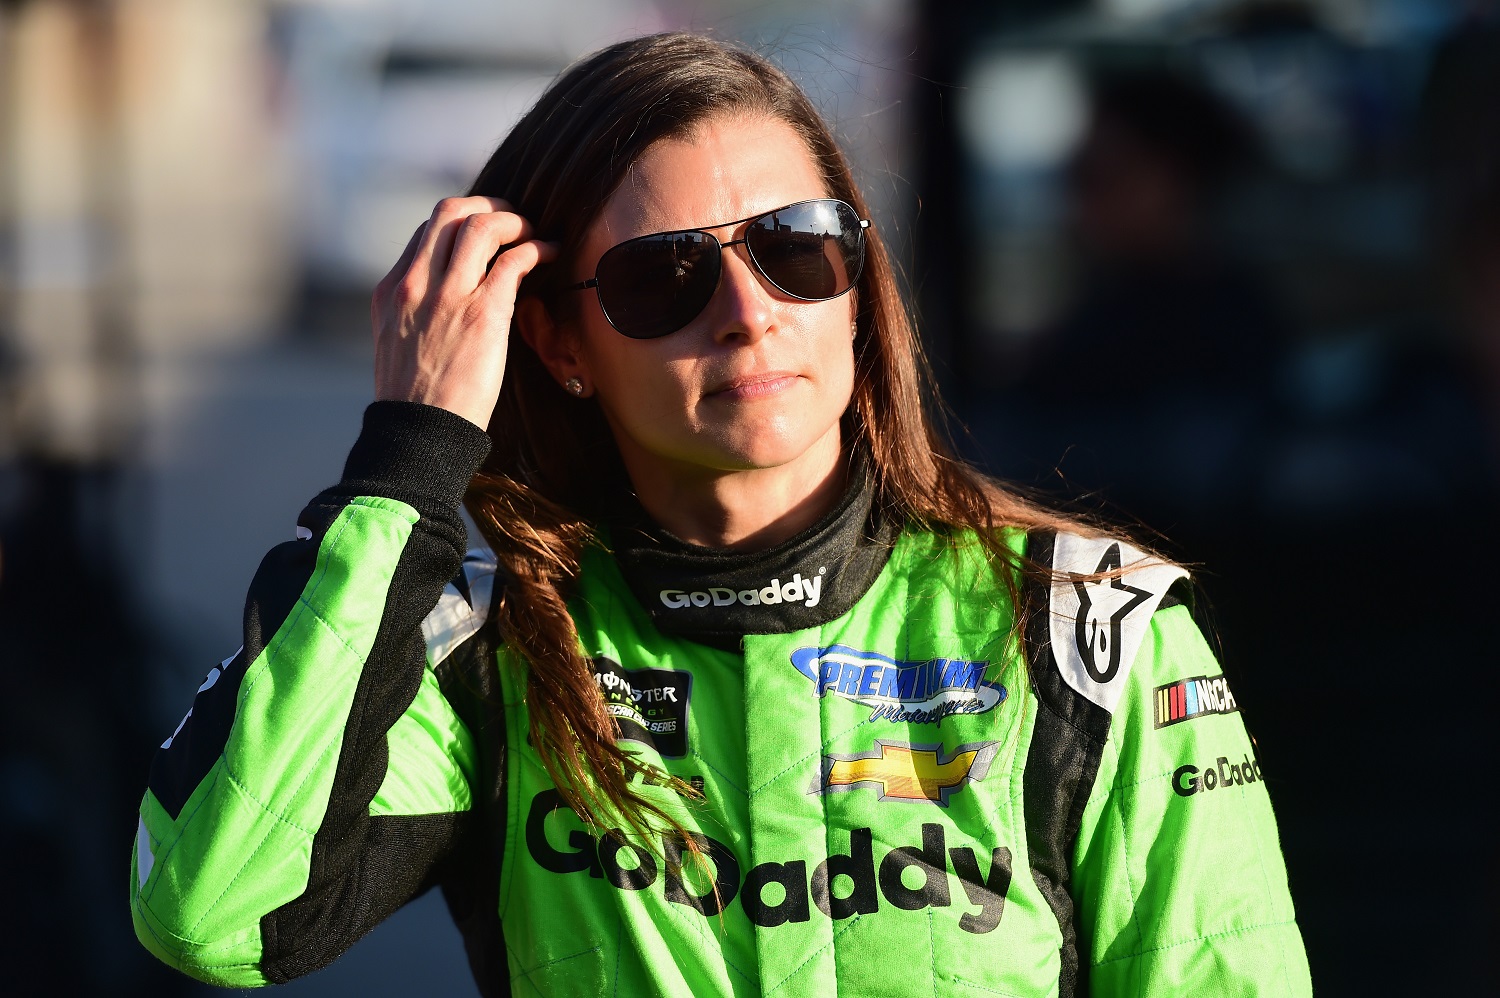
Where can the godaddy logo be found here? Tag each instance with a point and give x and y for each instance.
(1187, 781)
(779, 892)
(798, 590)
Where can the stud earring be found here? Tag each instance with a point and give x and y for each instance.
(575, 386)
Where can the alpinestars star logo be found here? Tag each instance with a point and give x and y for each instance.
(901, 772)
(1102, 609)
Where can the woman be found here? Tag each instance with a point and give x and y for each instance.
(737, 698)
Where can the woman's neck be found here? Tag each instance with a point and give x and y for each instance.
(748, 509)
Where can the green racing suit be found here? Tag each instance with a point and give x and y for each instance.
(902, 791)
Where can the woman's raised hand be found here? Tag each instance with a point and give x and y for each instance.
(441, 320)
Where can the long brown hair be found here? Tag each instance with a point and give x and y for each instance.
(536, 495)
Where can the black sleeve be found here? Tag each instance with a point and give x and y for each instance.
(216, 853)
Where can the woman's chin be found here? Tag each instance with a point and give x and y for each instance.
(733, 445)
(766, 449)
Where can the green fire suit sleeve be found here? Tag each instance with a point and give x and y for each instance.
(1179, 877)
(321, 778)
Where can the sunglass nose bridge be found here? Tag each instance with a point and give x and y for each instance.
(747, 259)
(655, 284)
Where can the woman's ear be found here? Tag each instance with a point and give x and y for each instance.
(556, 345)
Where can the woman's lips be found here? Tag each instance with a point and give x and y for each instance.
(753, 386)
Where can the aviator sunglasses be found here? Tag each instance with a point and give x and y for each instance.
(654, 285)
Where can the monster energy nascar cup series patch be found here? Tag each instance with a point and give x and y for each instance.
(649, 705)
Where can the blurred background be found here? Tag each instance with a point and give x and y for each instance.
(1228, 270)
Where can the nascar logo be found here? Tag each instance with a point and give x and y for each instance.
(908, 692)
(907, 772)
(1190, 698)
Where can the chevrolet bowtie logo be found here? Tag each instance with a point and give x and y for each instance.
(907, 772)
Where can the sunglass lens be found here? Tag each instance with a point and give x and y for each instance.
(655, 285)
(813, 250)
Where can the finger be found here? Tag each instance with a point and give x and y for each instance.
(398, 270)
(442, 228)
(504, 278)
(479, 239)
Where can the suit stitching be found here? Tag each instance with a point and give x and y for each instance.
(822, 747)
(283, 631)
(1246, 930)
(1130, 891)
(619, 948)
(550, 963)
(181, 825)
(826, 946)
(932, 953)
(249, 860)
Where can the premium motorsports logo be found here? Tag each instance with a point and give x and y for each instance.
(806, 591)
(919, 692)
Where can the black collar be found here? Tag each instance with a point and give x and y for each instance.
(716, 596)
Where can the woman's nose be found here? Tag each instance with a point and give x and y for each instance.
(742, 306)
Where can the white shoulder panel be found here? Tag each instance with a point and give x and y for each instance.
(455, 619)
(1097, 627)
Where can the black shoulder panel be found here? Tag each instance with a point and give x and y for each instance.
(186, 758)
(1061, 765)
(1182, 593)
(363, 868)
(471, 885)
(387, 866)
